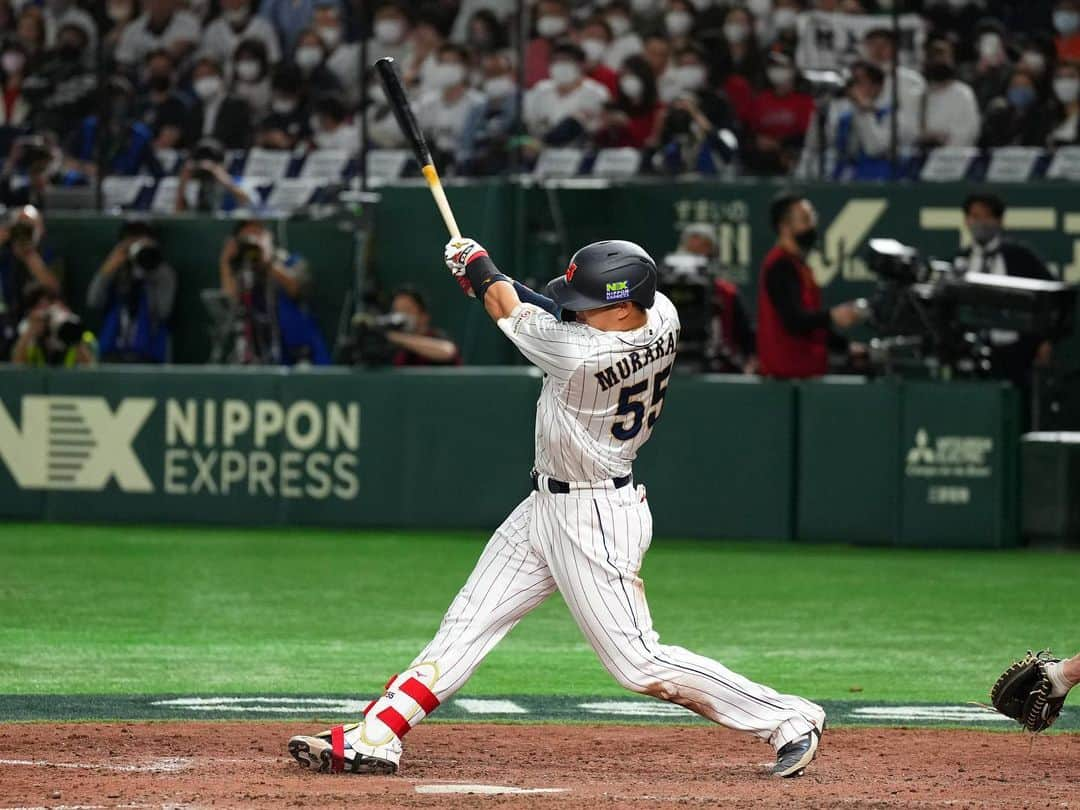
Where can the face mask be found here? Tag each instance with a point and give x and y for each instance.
(984, 232)
(565, 73)
(499, 87)
(1066, 88)
(618, 24)
(12, 61)
(678, 23)
(594, 49)
(207, 87)
(308, 57)
(235, 17)
(159, 84)
(118, 12)
(1021, 97)
(632, 86)
(780, 77)
(389, 31)
(447, 75)
(68, 51)
(806, 239)
(735, 32)
(283, 106)
(690, 77)
(785, 19)
(330, 36)
(990, 46)
(1033, 61)
(550, 27)
(938, 72)
(1066, 21)
(248, 70)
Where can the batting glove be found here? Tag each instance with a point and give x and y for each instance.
(458, 253)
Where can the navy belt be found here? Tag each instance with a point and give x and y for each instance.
(563, 488)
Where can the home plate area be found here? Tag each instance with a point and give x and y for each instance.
(228, 763)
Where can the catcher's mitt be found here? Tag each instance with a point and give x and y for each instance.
(1023, 692)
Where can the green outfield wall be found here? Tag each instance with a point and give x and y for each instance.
(864, 462)
(528, 229)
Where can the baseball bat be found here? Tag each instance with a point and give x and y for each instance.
(399, 103)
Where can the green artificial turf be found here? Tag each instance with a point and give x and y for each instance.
(148, 609)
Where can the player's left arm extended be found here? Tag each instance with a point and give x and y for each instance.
(478, 276)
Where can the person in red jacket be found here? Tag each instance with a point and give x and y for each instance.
(777, 120)
(795, 332)
(632, 118)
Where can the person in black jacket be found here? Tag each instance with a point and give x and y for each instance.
(1011, 355)
(217, 114)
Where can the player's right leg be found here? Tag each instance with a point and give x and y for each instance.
(509, 580)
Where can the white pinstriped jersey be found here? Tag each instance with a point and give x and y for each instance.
(602, 392)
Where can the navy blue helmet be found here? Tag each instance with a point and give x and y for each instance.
(605, 273)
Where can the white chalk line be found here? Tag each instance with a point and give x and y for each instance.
(486, 790)
(164, 765)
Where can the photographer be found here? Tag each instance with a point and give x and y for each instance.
(418, 343)
(30, 166)
(24, 261)
(795, 332)
(1011, 355)
(135, 289)
(51, 334)
(266, 286)
(205, 184)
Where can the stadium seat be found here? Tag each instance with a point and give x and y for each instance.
(617, 163)
(559, 163)
(326, 163)
(293, 192)
(164, 200)
(1065, 164)
(272, 164)
(1012, 164)
(385, 165)
(122, 191)
(948, 164)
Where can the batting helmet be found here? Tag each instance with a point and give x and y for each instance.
(605, 273)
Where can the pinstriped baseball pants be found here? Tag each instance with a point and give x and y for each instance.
(589, 545)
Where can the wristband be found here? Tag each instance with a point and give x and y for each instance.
(482, 273)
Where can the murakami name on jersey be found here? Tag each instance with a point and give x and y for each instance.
(632, 362)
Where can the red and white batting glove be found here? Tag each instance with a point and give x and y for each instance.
(458, 254)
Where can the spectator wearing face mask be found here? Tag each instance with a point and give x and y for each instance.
(114, 132)
(880, 48)
(989, 76)
(564, 109)
(217, 114)
(1038, 59)
(695, 95)
(1019, 118)
(389, 33)
(14, 110)
(777, 120)
(679, 21)
(778, 26)
(485, 138)
(118, 15)
(250, 70)
(443, 110)
(551, 23)
(159, 106)
(289, 18)
(238, 22)
(341, 58)
(162, 25)
(30, 33)
(949, 115)
(594, 38)
(61, 90)
(427, 36)
(634, 116)
(1066, 121)
(286, 125)
(1067, 25)
(484, 34)
(743, 54)
(59, 13)
(331, 125)
(625, 41)
(310, 58)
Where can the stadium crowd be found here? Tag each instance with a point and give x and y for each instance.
(775, 87)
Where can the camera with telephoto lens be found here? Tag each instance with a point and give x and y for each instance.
(34, 152)
(249, 253)
(208, 150)
(144, 256)
(368, 345)
(21, 233)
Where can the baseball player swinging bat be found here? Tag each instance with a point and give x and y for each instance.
(606, 340)
(399, 103)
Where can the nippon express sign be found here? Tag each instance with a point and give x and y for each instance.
(197, 446)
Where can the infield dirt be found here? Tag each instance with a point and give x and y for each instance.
(227, 764)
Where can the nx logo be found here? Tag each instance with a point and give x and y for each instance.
(75, 443)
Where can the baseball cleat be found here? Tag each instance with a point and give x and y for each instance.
(792, 759)
(331, 752)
